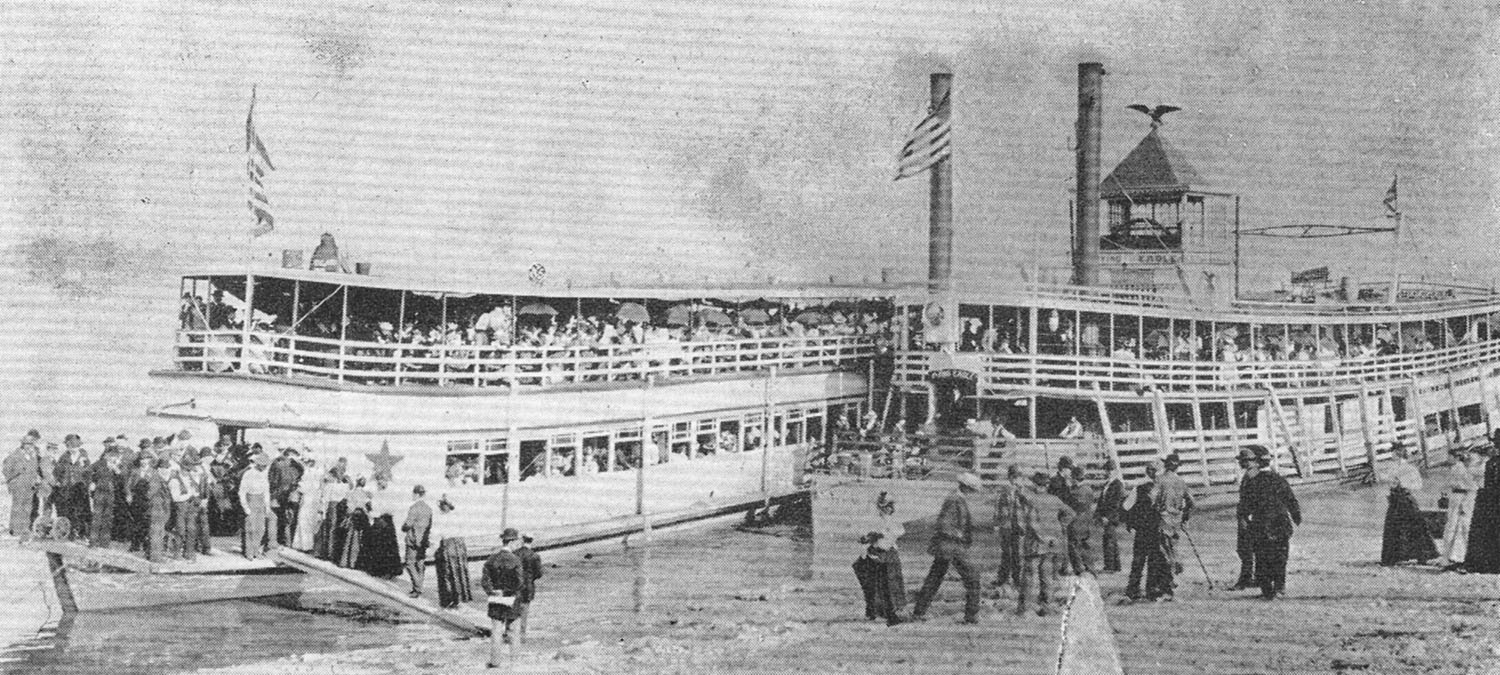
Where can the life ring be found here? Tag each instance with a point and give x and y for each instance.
(932, 315)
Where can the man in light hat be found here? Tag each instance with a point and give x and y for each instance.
(1244, 547)
(1272, 511)
(255, 495)
(953, 534)
(1008, 526)
(503, 580)
(22, 478)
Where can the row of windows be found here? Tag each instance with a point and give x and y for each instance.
(491, 461)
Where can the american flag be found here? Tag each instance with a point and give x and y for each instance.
(1390, 200)
(257, 163)
(927, 144)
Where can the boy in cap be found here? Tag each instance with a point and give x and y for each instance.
(1175, 506)
(503, 580)
(950, 546)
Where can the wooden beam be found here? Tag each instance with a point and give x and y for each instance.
(1159, 410)
(1202, 439)
(380, 589)
(1303, 468)
(60, 582)
(1338, 429)
(1414, 405)
(1311, 442)
(1109, 430)
(1364, 423)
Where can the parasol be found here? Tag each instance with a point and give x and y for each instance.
(679, 315)
(755, 317)
(715, 317)
(811, 318)
(537, 309)
(631, 311)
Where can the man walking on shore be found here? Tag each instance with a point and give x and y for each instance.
(1175, 506)
(1272, 511)
(1143, 519)
(502, 580)
(1244, 547)
(417, 528)
(950, 546)
(531, 566)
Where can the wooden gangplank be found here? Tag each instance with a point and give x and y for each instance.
(450, 620)
(100, 556)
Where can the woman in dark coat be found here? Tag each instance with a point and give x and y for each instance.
(1406, 536)
(1484, 532)
(451, 561)
(381, 555)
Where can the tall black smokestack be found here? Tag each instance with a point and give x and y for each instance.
(940, 203)
(1090, 124)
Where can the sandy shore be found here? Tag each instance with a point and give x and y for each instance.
(720, 607)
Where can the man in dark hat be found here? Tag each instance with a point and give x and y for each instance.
(417, 530)
(158, 509)
(950, 546)
(1008, 527)
(70, 477)
(1044, 518)
(101, 479)
(22, 478)
(1144, 520)
(1060, 485)
(503, 580)
(1174, 504)
(531, 565)
(284, 476)
(1080, 529)
(1244, 547)
(1272, 511)
(1110, 512)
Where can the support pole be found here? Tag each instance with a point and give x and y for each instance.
(1458, 427)
(1279, 413)
(769, 435)
(1159, 410)
(343, 331)
(248, 324)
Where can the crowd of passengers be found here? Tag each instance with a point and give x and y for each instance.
(503, 327)
(1230, 345)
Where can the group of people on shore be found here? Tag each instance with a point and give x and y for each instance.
(1047, 527)
(1469, 538)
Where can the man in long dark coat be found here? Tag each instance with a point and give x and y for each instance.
(284, 477)
(1272, 511)
(950, 546)
(1244, 547)
(102, 477)
(1110, 512)
(531, 564)
(71, 477)
(1143, 519)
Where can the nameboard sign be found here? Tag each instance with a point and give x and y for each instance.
(1141, 258)
(954, 374)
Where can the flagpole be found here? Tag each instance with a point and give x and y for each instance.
(1395, 262)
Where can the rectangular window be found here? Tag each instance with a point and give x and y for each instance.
(495, 470)
(1470, 415)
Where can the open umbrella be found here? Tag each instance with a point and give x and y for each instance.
(537, 309)
(631, 311)
(679, 315)
(755, 317)
(811, 318)
(715, 317)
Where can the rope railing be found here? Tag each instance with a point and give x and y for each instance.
(400, 364)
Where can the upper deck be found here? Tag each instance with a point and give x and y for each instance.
(1050, 339)
(325, 329)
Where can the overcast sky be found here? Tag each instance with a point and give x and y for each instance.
(678, 141)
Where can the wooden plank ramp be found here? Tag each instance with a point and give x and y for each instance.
(459, 622)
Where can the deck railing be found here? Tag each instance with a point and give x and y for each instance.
(1117, 300)
(1038, 372)
(393, 364)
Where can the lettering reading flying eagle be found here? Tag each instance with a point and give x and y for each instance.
(1154, 113)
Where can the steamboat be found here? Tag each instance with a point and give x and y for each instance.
(1149, 347)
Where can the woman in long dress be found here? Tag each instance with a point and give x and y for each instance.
(310, 514)
(1484, 530)
(352, 527)
(329, 543)
(1406, 536)
(381, 556)
(451, 560)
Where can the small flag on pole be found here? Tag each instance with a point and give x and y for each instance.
(257, 164)
(928, 143)
(1390, 200)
